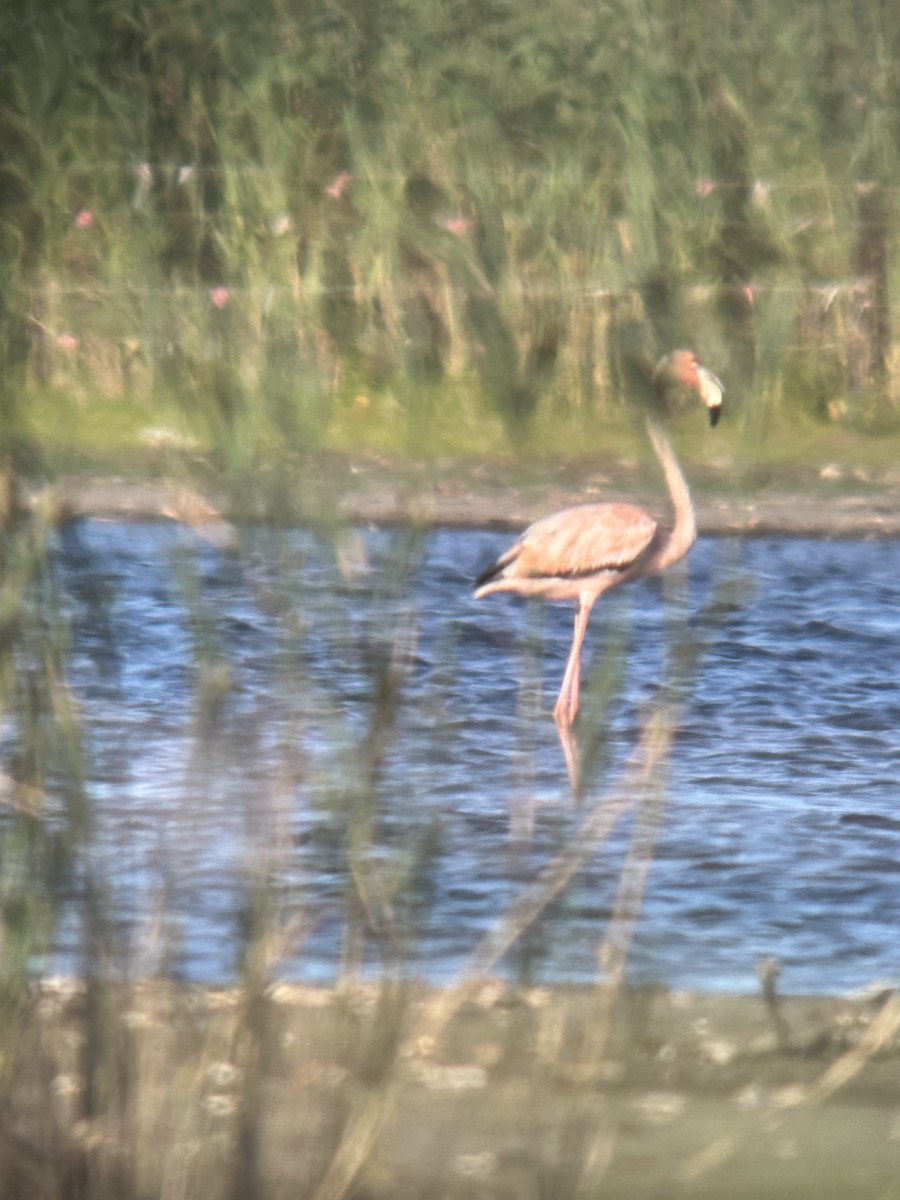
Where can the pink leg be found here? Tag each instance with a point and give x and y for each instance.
(567, 701)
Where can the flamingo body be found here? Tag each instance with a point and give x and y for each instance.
(581, 552)
(561, 555)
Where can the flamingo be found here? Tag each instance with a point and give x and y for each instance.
(582, 552)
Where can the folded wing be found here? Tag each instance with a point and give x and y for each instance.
(573, 544)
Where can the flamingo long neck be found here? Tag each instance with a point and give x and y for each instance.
(684, 531)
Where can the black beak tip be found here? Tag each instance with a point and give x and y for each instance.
(714, 414)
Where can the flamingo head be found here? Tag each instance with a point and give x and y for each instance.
(683, 369)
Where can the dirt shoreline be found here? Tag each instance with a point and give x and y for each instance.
(368, 494)
(398, 1090)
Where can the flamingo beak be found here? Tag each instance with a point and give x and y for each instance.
(712, 391)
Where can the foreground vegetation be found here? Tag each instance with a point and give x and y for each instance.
(326, 1093)
(239, 235)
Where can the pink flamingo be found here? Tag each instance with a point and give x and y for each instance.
(582, 552)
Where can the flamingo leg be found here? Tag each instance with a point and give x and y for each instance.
(568, 739)
(567, 702)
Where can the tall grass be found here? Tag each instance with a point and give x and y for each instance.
(126, 1082)
(263, 232)
(121, 1083)
(246, 222)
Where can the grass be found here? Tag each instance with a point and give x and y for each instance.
(381, 1088)
(427, 230)
(240, 244)
(390, 1088)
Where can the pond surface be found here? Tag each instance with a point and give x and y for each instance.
(338, 719)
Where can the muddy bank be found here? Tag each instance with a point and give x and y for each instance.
(400, 1091)
(483, 495)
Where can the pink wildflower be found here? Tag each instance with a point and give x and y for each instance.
(458, 225)
(705, 187)
(84, 218)
(67, 341)
(338, 185)
(220, 296)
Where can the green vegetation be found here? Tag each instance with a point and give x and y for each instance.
(235, 235)
(430, 227)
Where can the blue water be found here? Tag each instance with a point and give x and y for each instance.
(341, 721)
